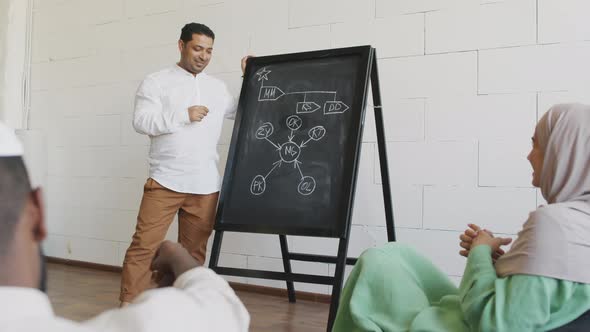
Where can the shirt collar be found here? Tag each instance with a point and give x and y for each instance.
(184, 72)
(21, 302)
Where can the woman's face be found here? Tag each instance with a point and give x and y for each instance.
(535, 157)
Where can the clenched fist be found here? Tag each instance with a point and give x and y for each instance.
(197, 113)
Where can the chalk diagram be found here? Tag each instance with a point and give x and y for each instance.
(290, 152)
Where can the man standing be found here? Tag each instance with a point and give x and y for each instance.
(181, 109)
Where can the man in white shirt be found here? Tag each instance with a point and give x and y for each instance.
(181, 109)
(199, 300)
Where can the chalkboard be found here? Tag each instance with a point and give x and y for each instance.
(296, 142)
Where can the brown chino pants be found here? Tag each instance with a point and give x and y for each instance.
(196, 215)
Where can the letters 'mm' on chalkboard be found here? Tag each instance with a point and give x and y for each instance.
(292, 161)
(293, 157)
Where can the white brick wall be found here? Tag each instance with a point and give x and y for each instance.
(428, 76)
(393, 37)
(432, 163)
(393, 8)
(77, 72)
(465, 28)
(463, 83)
(480, 117)
(504, 163)
(403, 121)
(138, 8)
(534, 68)
(452, 208)
(313, 12)
(547, 99)
(291, 40)
(563, 20)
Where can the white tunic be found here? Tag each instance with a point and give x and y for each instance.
(183, 155)
(200, 300)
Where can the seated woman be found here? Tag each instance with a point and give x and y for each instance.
(541, 283)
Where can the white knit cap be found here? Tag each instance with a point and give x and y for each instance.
(10, 146)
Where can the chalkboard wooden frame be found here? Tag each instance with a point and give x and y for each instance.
(341, 260)
(349, 170)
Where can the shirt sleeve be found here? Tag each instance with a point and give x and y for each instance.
(150, 117)
(231, 107)
(200, 300)
(513, 303)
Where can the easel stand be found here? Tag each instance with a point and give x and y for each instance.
(341, 259)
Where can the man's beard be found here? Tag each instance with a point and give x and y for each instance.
(43, 269)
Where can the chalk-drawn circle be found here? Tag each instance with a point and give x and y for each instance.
(290, 152)
(317, 133)
(294, 122)
(264, 131)
(306, 186)
(258, 185)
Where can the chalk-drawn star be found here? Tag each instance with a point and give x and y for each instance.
(263, 74)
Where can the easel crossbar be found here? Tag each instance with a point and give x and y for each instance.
(296, 277)
(319, 258)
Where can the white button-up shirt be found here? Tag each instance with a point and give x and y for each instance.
(183, 155)
(199, 301)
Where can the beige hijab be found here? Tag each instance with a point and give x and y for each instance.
(555, 240)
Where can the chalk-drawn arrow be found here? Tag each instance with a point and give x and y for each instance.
(270, 93)
(307, 107)
(276, 164)
(335, 107)
(296, 164)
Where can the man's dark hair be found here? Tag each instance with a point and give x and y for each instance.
(14, 190)
(189, 29)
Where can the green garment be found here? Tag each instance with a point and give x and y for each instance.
(393, 288)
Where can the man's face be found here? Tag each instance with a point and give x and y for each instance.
(34, 218)
(195, 54)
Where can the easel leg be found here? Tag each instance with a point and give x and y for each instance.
(380, 128)
(287, 266)
(338, 281)
(215, 250)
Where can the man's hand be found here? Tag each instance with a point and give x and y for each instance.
(467, 241)
(170, 261)
(197, 113)
(244, 61)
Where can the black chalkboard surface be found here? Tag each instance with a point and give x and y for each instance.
(293, 158)
(295, 146)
